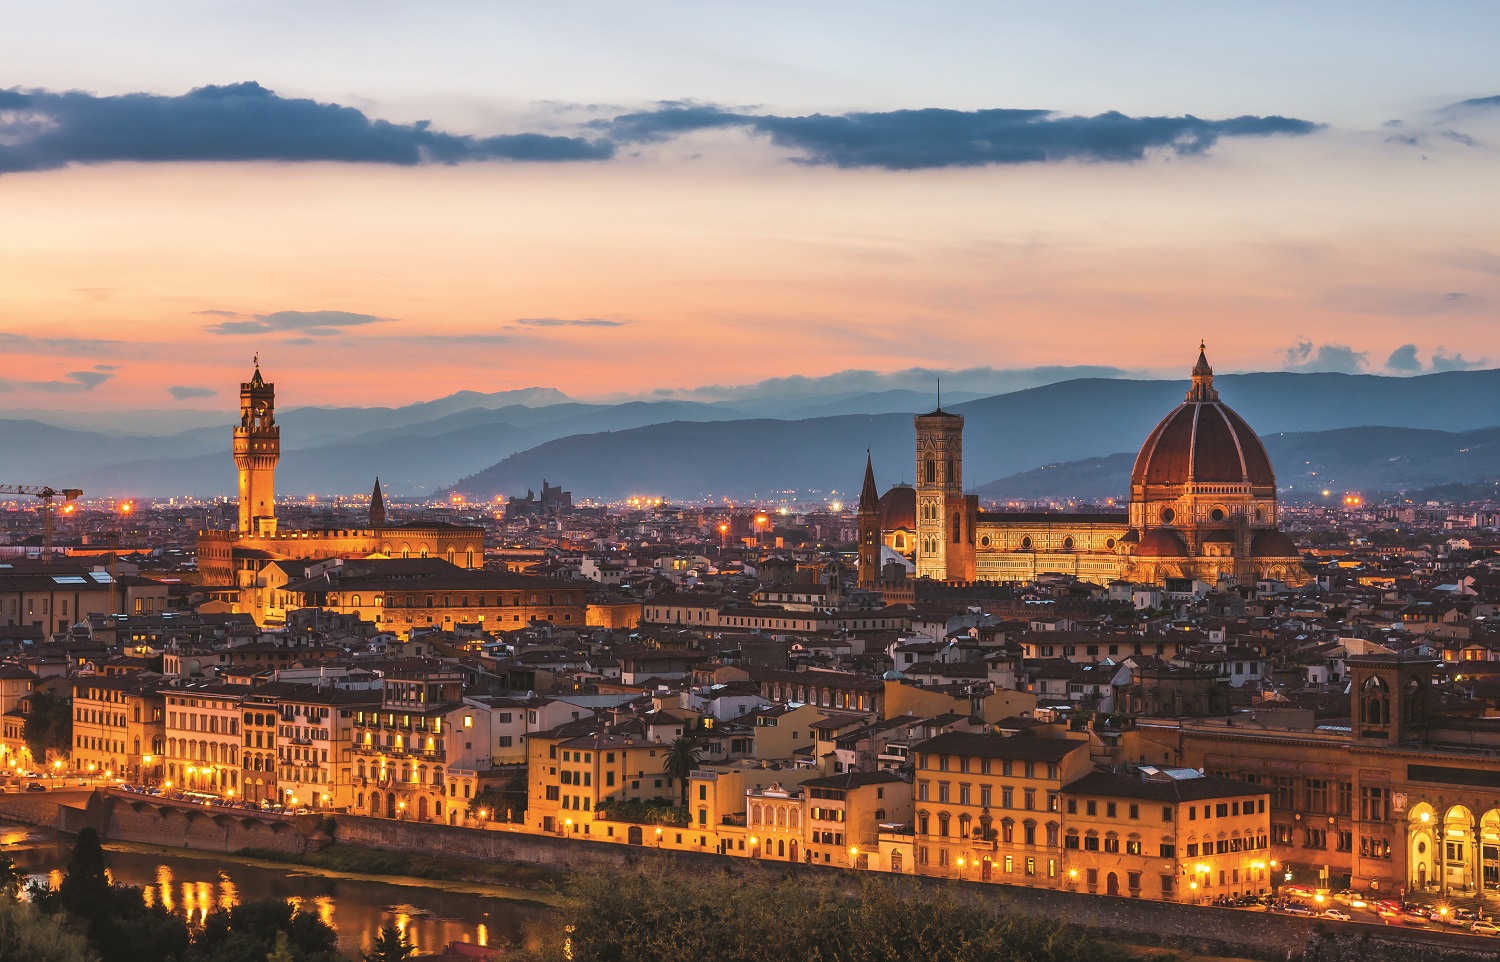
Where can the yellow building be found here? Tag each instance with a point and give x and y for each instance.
(258, 758)
(16, 684)
(1169, 834)
(119, 729)
(400, 596)
(314, 744)
(203, 738)
(417, 753)
(844, 815)
(570, 777)
(1202, 505)
(988, 806)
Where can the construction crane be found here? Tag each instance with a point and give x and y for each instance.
(46, 494)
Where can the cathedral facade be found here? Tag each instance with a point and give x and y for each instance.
(241, 556)
(1202, 505)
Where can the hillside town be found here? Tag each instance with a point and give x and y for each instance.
(777, 682)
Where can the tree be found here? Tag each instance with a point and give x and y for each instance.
(26, 933)
(282, 952)
(502, 804)
(683, 758)
(49, 725)
(390, 946)
(252, 931)
(114, 918)
(10, 878)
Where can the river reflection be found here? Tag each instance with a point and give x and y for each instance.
(193, 887)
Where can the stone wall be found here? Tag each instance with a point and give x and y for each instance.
(153, 822)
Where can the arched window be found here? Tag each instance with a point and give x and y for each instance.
(943, 824)
(958, 528)
(963, 826)
(354, 601)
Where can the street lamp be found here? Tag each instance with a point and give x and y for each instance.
(960, 869)
(853, 856)
(658, 837)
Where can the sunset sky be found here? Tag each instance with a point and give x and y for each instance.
(619, 199)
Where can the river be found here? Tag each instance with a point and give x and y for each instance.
(193, 885)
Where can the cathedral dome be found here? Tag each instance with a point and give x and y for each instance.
(1203, 441)
(1273, 544)
(1161, 543)
(898, 508)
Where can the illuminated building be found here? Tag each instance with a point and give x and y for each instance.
(117, 723)
(1202, 506)
(240, 558)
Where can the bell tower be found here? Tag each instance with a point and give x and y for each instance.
(257, 448)
(945, 517)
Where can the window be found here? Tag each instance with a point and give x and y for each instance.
(1372, 804)
(1132, 847)
(1167, 850)
(1166, 813)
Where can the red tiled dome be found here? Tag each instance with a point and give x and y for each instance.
(1202, 440)
(1273, 544)
(898, 508)
(1161, 544)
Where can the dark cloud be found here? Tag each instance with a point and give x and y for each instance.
(305, 323)
(41, 130)
(72, 381)
(183, 393)
(568, 322)
(1475, 103)
(1340, 358)
(26, 344)
(935, 137)
(1403, 360)
(1442, 361)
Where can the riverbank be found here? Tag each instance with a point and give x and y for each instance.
(459, 878)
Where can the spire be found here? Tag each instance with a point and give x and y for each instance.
(940, 393)
(869, 497)
(1203, 378)
(377, 507)
(257, 380)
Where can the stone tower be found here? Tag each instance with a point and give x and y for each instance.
(945, 518)
(257, 448)
(870, 535)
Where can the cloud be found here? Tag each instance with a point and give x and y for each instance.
(936, 137)
(26, 344)
(1442, 361)
(305, 323)
(72, 381)
(568, 322)
(1340, 358)
(182, 393)
(1473, 103)
(1403, 360)
(42, 130)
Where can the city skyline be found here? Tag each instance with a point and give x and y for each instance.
(677, 198)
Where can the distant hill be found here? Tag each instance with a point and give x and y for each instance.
(505, 442)
(1004, 435)
(1364, 459)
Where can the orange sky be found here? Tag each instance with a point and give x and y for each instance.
(727, 264)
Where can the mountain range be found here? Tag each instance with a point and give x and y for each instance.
(1072, 437)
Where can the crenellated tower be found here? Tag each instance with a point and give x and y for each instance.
(257, 448)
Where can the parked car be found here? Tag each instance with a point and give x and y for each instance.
(36, 787)
(1297, 908)
(1484, 927)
